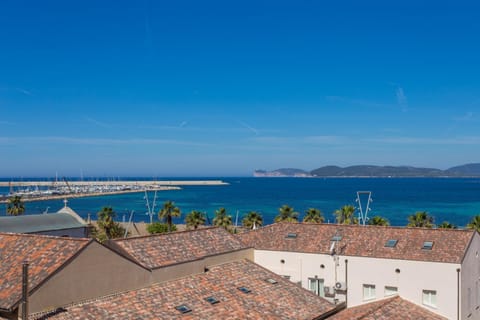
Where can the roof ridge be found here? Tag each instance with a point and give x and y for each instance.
(370, 226)
(381, 304)
(34, 235)
(166, 234)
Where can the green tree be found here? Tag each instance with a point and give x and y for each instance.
(378, 221)
(15, 206)
(222, 219)
(345, 215)
(420, 219)
(252, 219)
(313, 215)
(474, 223)
(109, 229)
(158, 227)
(446, 225)
(286, 214)
(169, 211)
(194, 219)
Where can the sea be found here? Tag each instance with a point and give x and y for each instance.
(455, 200)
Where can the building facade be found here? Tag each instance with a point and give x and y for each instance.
(437, 269)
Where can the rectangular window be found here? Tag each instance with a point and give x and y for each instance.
(429, 298)
(390, 291)
(316, 286)
(368, 291)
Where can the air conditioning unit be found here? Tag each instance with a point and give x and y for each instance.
(329, 291)
(340, 286)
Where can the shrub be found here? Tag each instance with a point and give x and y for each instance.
(158, 227)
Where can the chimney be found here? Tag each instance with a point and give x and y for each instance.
(25, 290)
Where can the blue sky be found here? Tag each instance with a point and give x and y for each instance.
(220, 88)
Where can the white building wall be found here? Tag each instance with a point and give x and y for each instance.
(414, 276)
(470, 281)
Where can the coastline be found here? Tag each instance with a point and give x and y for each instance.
(126, 187)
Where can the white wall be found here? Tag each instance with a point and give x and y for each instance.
(414, 276)
(470, 279)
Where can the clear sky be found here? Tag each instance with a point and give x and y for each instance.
(220, 88)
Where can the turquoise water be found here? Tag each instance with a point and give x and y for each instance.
(453, 200)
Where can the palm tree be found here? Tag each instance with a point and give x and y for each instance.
(194, 219)
(286, 214)
(222, 219)
(313, 215)
(168, 211)
(446, 225)
(421, 219)
(345, 215)
(15, 206)
(252, 219)
(106, 223)
(378, 221)
(474, 223)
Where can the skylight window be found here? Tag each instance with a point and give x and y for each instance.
(391, 243)
(336, 238)
(291, 236)
(427, 245)
(183, 308)
(212, 300)
(272, 281)
(244, 289)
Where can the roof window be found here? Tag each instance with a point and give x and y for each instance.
(291, 235)
(336, 238)
(244, 289)
(427, 245)
(272, 281)
(183, 308)
(212, 300)
(391, 243)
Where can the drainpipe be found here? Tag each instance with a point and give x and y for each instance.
(346, 282)
(25, 290)
(458, 294)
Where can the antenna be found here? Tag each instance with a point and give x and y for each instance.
(363, 215)
(150, 210)
(129, 223)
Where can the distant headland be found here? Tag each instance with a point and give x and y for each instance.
(466, 170)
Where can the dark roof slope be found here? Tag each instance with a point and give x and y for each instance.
(165, 249)
(39, 222)
(394, 308)
(282, 300)
(45, 255)
(449, 245)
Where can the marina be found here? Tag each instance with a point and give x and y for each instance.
(48, 190)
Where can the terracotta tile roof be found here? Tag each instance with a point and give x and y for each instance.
(394, 308)
(45, 255)
(165, 249)
(449, 245)
(283, 300)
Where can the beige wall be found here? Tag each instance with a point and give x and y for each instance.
(470, 281)
(96, 271)
(414, 276)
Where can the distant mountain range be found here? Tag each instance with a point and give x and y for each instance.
(466, 170)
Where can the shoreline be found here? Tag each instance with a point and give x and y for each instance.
(87, 195)
(156, 183)
(77, 189)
